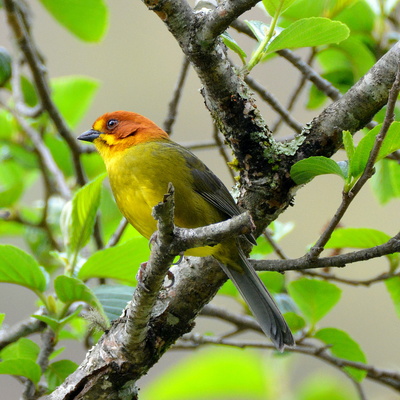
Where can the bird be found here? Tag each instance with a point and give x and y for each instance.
(141, 161)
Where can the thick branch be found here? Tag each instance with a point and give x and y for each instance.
(153, 320)
(217, 21)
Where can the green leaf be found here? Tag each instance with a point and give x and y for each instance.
(361, 238)
(272, 6)
(114, 299)
(385, 182)
(119, 262)
(348, 145)
(5, 66)
(79, 214)
(229, 373)
(21, 367)
(360, 56)
(259, 29)
(343, 346)
(314, 298)
(232, 44)
(309, 32)
(322, 386)
(23, 348)
(362, 152)
(88, 20)
(52, 322)
(21, 268)
(73, 95)
(295, 321)
(58, 371)
(391, 142)
(2, 316)
(11, 182)
(6, 125)
(70, 290)
(61, 153)
(393, 287)
(305, 170)
(358, 17)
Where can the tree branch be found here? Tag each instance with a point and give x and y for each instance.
(218, 20)
(153, 320)
(384, 377)
(15, 18)
(341, 260)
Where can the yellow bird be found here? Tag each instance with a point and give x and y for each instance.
(141, 160)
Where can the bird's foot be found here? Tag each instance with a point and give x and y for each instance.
(140, 276)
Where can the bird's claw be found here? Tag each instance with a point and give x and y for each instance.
(179, 260)
(171, 278)
(140, 276)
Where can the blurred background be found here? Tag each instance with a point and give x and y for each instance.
(137, 65)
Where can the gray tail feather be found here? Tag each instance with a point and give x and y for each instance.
(261, 303)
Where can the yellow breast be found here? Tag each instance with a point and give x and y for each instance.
(139, 178)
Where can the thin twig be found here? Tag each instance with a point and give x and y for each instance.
(22, 329)
(278, 249)
(15, 17)
(222, 150)
(384, 377)
(348, 197)
(44, 153)
(302, 263)
(351, 282)
(47, 347)
(176, 96)
(274, 103)
(116, 236)
(295, 94)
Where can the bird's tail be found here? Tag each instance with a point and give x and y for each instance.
(260, 302)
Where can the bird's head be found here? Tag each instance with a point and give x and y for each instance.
(119, 130)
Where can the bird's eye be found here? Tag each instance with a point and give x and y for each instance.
(112, 123)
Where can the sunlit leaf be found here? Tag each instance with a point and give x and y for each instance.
(272, 6)
(21, 268)
(393, 287)
(305, 170)
(21, 367)
(88, 19)
(79, 215)
(73, 96)
(233, 45)
(119, 262)
(229, 373)
(70, 290)
(343, 346)
(385, 182)
(309, 32)
(23, 348)
(361, 238)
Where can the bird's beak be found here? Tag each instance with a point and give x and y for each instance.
(89, 135)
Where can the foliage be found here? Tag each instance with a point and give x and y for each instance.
(66, 264)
